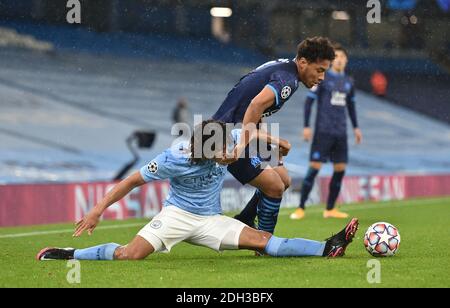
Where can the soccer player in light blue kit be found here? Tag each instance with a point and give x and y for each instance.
(192, 211)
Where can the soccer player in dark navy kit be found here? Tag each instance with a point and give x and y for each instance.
(335, 96)
(260, 94)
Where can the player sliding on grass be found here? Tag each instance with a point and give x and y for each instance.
(258, 95)
(192, 211)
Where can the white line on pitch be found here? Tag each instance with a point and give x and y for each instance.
(68, 230)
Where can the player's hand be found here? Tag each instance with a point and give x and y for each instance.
(228, 158)
(307, 134)
(238, 151)
(285, 147)
(358, 136)
(88, 223)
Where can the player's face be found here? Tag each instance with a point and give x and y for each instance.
(313, 73)
(340, 62)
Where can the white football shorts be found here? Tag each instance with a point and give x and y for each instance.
(174, 225)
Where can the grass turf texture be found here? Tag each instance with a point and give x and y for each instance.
(423, 259)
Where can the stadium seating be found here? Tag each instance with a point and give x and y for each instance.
(65, 115)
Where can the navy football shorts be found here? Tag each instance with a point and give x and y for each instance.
(246, 170)
(326, 147)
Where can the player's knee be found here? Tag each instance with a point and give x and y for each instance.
(287, 183)
(275, 190)
(316, 165)
(340, 167)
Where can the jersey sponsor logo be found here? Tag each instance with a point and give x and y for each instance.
(269, 113)
(153, 167)
(156, 224)
(286, 92)
(338, 98)
(255, 161)
(200, 181)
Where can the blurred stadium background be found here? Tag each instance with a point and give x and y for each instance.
(71, 94)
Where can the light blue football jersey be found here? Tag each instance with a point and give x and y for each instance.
(194, 188)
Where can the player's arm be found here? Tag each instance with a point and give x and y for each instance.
(91, 220)
(158, 169)
(264, 100)
(351, 107)
(307, 131)
(119, 191)
(283, 144)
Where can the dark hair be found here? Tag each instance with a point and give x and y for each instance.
(339, 47)
(315, 49)
(202, 133)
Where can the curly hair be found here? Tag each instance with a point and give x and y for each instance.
(203, 133)
(316, 49)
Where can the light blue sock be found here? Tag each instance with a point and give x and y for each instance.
(297, 247)
(101, 252)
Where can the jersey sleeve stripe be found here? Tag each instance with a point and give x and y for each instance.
(276, 94)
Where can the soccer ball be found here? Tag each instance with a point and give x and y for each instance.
(382, 240)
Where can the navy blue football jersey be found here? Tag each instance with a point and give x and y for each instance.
(335, 95)
(280, 76)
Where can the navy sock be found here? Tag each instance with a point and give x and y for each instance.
(249, 213)
(268, 209)
(335, 188)
(308, 184)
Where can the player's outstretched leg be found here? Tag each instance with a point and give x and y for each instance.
(274, 246)
(53, 253)
(100, 252)
(337, 244)
(138, 249)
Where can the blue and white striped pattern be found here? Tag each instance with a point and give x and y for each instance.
(268, 209)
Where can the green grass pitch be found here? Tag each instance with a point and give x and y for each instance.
(423, 259)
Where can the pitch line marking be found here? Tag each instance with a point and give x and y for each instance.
(68, 230)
